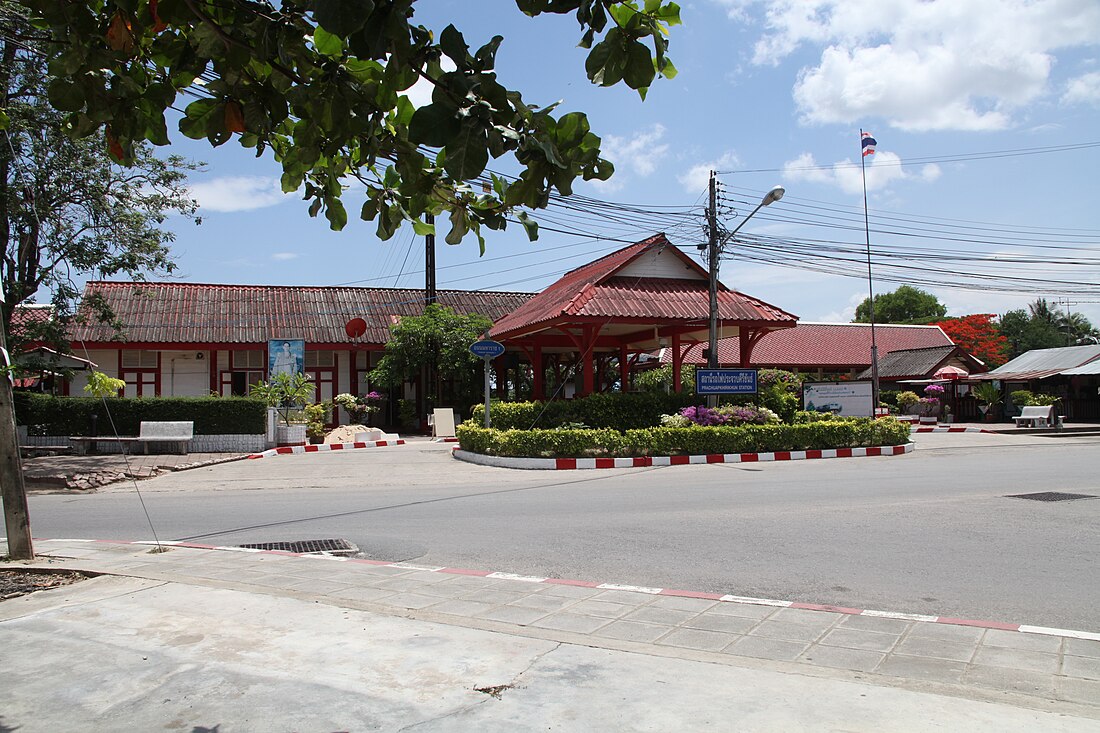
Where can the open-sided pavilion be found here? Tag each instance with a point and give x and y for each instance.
(644, 297)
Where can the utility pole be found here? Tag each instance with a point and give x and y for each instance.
(427, 374)
(712, 249)
(17, 521)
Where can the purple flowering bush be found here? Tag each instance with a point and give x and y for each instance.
(725, 415)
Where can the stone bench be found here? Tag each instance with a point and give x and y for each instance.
(1035, 416)
(177, 434)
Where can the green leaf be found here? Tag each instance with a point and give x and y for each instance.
(421, 229)
(4, 120)
(433, 125)
(454, 45)
(328, 44)
(65, 95)
(460, 225)
(467, 153)
(336, 214)
(529, 225)
(342, 17)
(638, 72)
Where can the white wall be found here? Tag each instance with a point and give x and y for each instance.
(661, 263)
(106, 361)
(183, 374)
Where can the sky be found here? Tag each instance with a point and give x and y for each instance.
(982, 191)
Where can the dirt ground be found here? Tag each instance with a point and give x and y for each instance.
(21, 582)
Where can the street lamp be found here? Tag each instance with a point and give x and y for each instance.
(715, 248)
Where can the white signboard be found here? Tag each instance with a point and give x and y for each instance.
(848, 399)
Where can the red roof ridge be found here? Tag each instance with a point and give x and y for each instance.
(868, 325)
(161, 283)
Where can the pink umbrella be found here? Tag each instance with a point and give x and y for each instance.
(951, 372)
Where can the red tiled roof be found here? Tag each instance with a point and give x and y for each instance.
(30, 314)
(595, 290)
(827, 345)
(254, 314)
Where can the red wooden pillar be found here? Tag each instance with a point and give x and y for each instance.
(677, 364)
(624, 370)
(537, 388)
(588, 346)
(215, 388)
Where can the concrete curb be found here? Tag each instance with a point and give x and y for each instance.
(324, 447)
(945, 429)
(647, 461)
(720, 597)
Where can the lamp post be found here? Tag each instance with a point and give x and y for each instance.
(715, 249)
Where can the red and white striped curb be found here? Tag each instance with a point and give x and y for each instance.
(324, 447)
(646, 461)
(719, 597)
(944, 429)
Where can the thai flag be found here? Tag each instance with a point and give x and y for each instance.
(869, 144)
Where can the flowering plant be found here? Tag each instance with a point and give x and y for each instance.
(934, 390)
(358, 406)
(724, 415)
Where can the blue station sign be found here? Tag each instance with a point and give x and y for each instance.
(725, 381)
(487, 349)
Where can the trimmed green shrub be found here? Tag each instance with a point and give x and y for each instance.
(614, 410)
(49, 415)
(696, 440)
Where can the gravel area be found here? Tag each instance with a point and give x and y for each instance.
(15, 583)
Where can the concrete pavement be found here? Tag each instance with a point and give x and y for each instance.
(205, 639)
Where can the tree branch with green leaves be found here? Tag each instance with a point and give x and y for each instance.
(323, 85)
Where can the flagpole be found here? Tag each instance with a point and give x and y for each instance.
(870, 283)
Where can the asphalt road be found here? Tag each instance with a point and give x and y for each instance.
(931, 532)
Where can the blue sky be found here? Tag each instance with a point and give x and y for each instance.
(767, 93)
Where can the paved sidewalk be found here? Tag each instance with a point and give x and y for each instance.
(92, 471)
(591, 657)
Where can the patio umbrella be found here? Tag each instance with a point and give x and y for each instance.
(951, 372)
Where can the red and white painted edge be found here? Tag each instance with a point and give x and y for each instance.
(719, 597)
(324, 447)
(946, 429)
(647, 461)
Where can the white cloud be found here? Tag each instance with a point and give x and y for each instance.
(1083, 90)
(696, 178)
(640, 153)
(948, 65)
(883, 169)
(283, 256)
(238, 193)
(845, 314)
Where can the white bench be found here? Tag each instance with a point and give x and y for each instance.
(1035, 416)
(177, 433)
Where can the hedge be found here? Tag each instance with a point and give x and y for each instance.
(696, 440)
(49, 415)
(615, 410)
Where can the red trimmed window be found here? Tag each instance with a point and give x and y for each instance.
(141, 372)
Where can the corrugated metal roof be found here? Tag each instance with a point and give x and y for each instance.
(254, 314)
(910, 363)
(1040, 363)
(595, 290)
(1092, 367)
(825, 345)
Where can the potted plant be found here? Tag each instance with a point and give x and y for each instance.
(359, 407)
(906, 400)
(286, 393)
(930, 404)
(988, 397)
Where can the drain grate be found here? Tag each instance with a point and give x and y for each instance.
(1051, 496)
(331, 547)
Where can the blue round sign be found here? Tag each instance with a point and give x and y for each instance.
(487, 349)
